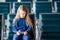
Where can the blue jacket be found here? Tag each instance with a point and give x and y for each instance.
(21, 25)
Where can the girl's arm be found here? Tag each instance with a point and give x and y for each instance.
(14, 29)
(29, 27)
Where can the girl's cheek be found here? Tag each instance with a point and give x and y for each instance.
(22, 15)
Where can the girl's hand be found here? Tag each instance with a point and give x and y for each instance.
(18, 32)
(25, 33)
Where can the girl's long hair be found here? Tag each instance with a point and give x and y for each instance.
(28, 19)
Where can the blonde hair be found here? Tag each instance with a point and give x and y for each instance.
(28, 19)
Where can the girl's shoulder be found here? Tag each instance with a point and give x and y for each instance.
(15, 21)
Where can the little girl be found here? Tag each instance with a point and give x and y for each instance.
(22, 24)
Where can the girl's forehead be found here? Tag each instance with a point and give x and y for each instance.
(22, 11)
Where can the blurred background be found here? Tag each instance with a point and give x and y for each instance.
(45, 15)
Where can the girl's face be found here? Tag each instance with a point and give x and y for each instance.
(22, 14)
